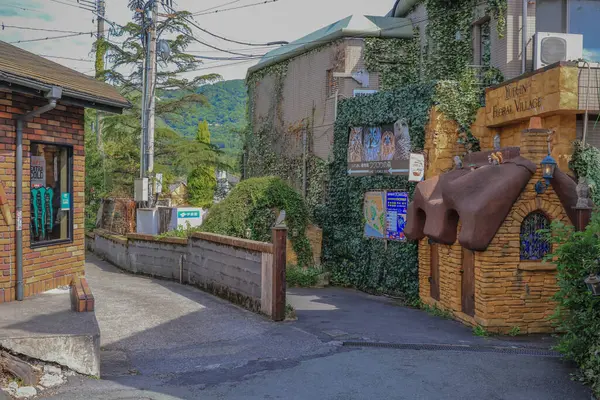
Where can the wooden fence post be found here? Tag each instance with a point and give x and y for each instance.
(279, 264)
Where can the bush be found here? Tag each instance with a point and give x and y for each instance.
(302, 277)
(250, 211)
(578, 312)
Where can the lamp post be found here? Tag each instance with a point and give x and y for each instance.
(548, 167)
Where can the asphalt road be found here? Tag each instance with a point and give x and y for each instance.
(161, 340)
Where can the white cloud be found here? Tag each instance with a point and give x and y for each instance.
(283, 20)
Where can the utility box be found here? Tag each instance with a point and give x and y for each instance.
(147, 221)
(141, 189)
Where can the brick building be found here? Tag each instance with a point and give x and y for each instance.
(42, 136)
(480, 251)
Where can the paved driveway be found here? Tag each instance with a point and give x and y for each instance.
(162, 340)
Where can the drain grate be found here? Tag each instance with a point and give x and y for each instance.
(461, 348)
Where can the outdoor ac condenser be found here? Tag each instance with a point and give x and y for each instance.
(550, 48)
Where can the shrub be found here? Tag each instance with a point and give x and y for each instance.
(250, 211)
(578, 312)
(302, 277)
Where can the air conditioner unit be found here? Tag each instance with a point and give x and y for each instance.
(550, 48)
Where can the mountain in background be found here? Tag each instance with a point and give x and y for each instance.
(226, 115)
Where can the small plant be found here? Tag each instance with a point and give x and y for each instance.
(436, 311)
(180, 232)
(290, 312)
(302, 277)
(514, 331)
(480, 331)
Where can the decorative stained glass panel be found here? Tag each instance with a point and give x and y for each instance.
(534, 245)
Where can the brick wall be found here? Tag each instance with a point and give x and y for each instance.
(508, 292)
(44, 268)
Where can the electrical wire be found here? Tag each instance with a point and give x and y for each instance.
(235, 8)
(65, 58)
(52, 37)
(194, 24)
(220, 5)
(21, 8)
(72, 5)
(39, 29)
(215, 47)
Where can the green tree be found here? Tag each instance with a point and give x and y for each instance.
(202, 181)
(175, 155)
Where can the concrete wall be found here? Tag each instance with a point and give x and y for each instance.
(235, 269)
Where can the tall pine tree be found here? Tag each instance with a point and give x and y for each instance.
(202, 181)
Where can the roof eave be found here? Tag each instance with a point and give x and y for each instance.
(31, 86)
(398, 33)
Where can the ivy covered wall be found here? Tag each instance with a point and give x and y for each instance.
(369, 264)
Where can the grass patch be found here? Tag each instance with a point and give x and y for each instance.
(290, 313)
(436, 311)
(480, 331)
(302, 277)
(514, 331)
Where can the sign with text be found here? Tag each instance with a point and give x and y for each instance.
(188, 214)
(38, 171)
(65, 201)
(417, 167)
(396, 210)
(381, 150)
(374, 213)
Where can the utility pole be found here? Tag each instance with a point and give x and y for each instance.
(148, 101)
(99, 65)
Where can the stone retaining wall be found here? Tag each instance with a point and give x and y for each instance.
(237, 270)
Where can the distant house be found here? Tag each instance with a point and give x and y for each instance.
(42, 106)
(320, 69)
(178, 194)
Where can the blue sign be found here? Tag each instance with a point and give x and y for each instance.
(396, 210)
(188, 214)
(65, 201)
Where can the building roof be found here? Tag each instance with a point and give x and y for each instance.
(353, 26)
(22, 69)
(480, 197)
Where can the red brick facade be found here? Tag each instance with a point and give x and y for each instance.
(44, 268)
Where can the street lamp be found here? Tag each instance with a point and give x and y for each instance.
(593, 284)
(548, 168)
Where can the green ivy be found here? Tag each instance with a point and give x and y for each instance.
(251, 208)
(459, 101)
(578, 312)
(585, 162)
(398, 61)
(354, 260)
(498, 9)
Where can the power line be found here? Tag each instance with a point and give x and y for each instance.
(65, 58)
(39, 29)
(215, 47)
(220, 5)
(72, 5)
(219, 36)
(21, 8)
(236, 8)
(52, 37)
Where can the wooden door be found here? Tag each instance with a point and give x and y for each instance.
(434, 277)
(468, 282)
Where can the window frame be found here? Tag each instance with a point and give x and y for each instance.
(549, 222)
(70, 173)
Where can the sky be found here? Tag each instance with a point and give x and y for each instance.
(275, 21)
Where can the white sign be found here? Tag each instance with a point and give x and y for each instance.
(363, 92)
(417, 167)
(38, 171)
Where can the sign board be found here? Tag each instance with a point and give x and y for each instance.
(188, 217)
(188, 214)
(383, 150)
(38, 171)
(417, 167)
(363, 92)
(396, 210)
(374, 213)
(65, 201)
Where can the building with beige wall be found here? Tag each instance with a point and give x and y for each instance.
(320, 69)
